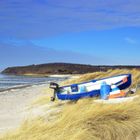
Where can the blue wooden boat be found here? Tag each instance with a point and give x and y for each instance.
(89, 89)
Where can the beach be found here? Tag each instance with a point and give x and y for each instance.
(14, 105)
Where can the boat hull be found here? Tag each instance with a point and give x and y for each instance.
(123, 82)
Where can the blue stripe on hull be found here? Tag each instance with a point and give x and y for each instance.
(78, 96)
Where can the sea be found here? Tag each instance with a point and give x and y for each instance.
(8, 82)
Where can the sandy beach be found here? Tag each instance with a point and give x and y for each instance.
(14, 105)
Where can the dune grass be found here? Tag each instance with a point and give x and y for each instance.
(85, 119)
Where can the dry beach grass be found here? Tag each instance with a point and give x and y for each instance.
(84, 119)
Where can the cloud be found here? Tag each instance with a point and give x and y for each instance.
(43, 18)
(130, 40)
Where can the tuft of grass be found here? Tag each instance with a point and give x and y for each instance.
(86, 119)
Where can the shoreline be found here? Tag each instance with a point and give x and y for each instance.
(14, 87)
(21, 87)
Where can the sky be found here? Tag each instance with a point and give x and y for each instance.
(97, 32)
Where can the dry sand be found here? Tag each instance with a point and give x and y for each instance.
(14, 106)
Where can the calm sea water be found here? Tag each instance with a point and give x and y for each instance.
(12, 81)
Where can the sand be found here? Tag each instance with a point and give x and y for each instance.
(14, 106)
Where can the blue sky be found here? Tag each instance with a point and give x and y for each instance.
(84, 31)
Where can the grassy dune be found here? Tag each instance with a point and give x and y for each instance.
(84, 120)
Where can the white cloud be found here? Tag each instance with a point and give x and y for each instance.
(42, 18)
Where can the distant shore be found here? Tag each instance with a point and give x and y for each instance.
(62, 68)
